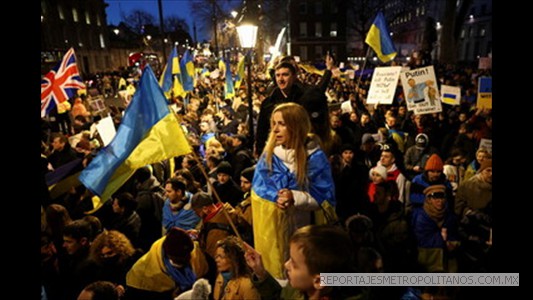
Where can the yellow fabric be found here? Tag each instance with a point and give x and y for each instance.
(63, 107)
(271, 234)
(149, 272)
(236, 289)
(312, 69)
(326, 215)
(164, 140)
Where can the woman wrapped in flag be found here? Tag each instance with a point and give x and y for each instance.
(292, 186)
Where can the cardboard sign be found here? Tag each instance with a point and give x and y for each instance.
(485, 63)
(383, 85)
(106, 129)
(484, 92)
(421, 91)
(487, 144)
(450, 94)
(97, 104)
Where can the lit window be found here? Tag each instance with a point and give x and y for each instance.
(102, 42)
(74, 15)
(333, 30)
(87, 18)
(98, 22)
(482, 31)
(462, 33)
(60, 11)
(318, 29)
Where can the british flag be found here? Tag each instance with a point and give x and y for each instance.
(60, 83)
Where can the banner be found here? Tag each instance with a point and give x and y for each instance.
(383, 85)
(421, 91)
(450, 94)
(484, 92)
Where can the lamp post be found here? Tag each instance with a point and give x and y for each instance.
(247, 37)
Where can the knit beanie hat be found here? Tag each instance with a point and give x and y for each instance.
(225, 167)
(248, 173)
(381, 170)
(434, 163)
(487, 163)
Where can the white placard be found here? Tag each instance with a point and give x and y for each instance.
(450, 94)
(487, 144)
(383, 85)
(421, 91)
(106, 129)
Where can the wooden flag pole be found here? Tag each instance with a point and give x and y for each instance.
(199, 163)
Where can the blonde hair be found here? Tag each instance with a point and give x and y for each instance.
(298, 128)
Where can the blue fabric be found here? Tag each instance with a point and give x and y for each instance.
(266, 184)
(184, 219)
(184, 277)
(428, 233)
(140, 116)
(419, 184)
(226, 276)
(186, 76)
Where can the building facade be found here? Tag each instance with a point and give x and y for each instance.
(316, 27)
(81, 24)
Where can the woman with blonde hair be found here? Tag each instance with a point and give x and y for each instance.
(292, 185)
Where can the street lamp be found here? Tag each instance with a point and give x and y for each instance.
(247, 36)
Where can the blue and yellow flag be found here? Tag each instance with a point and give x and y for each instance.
(272, 226)
(229, 91)
(187, 74)
(240, 72)
(149, 133)
(378, 37)
(171, 77)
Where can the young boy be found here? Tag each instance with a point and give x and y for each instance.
(313, 250)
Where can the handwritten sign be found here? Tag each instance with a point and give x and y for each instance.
(484, 92)
(383, 85)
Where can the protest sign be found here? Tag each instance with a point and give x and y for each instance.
(383, 85)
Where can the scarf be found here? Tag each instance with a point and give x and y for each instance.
(226, 277)
(183, 277)
(434, 213)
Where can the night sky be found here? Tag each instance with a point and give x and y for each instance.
(179, 8)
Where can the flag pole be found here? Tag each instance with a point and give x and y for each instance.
(199, 163)
(362, 69)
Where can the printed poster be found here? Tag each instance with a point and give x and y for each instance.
(450, 94)
(484, 92)
(383, 85)
(421, 91)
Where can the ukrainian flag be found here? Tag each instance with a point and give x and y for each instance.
(187, 76)
(379, 39)
(149, 133)
(272, 226)
(170, 80)
(229, 91)
(240, 72)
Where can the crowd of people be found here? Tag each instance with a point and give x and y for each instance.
(329, 184)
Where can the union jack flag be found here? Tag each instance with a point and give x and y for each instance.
(60, 83)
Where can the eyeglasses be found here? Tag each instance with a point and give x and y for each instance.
(437, 195)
